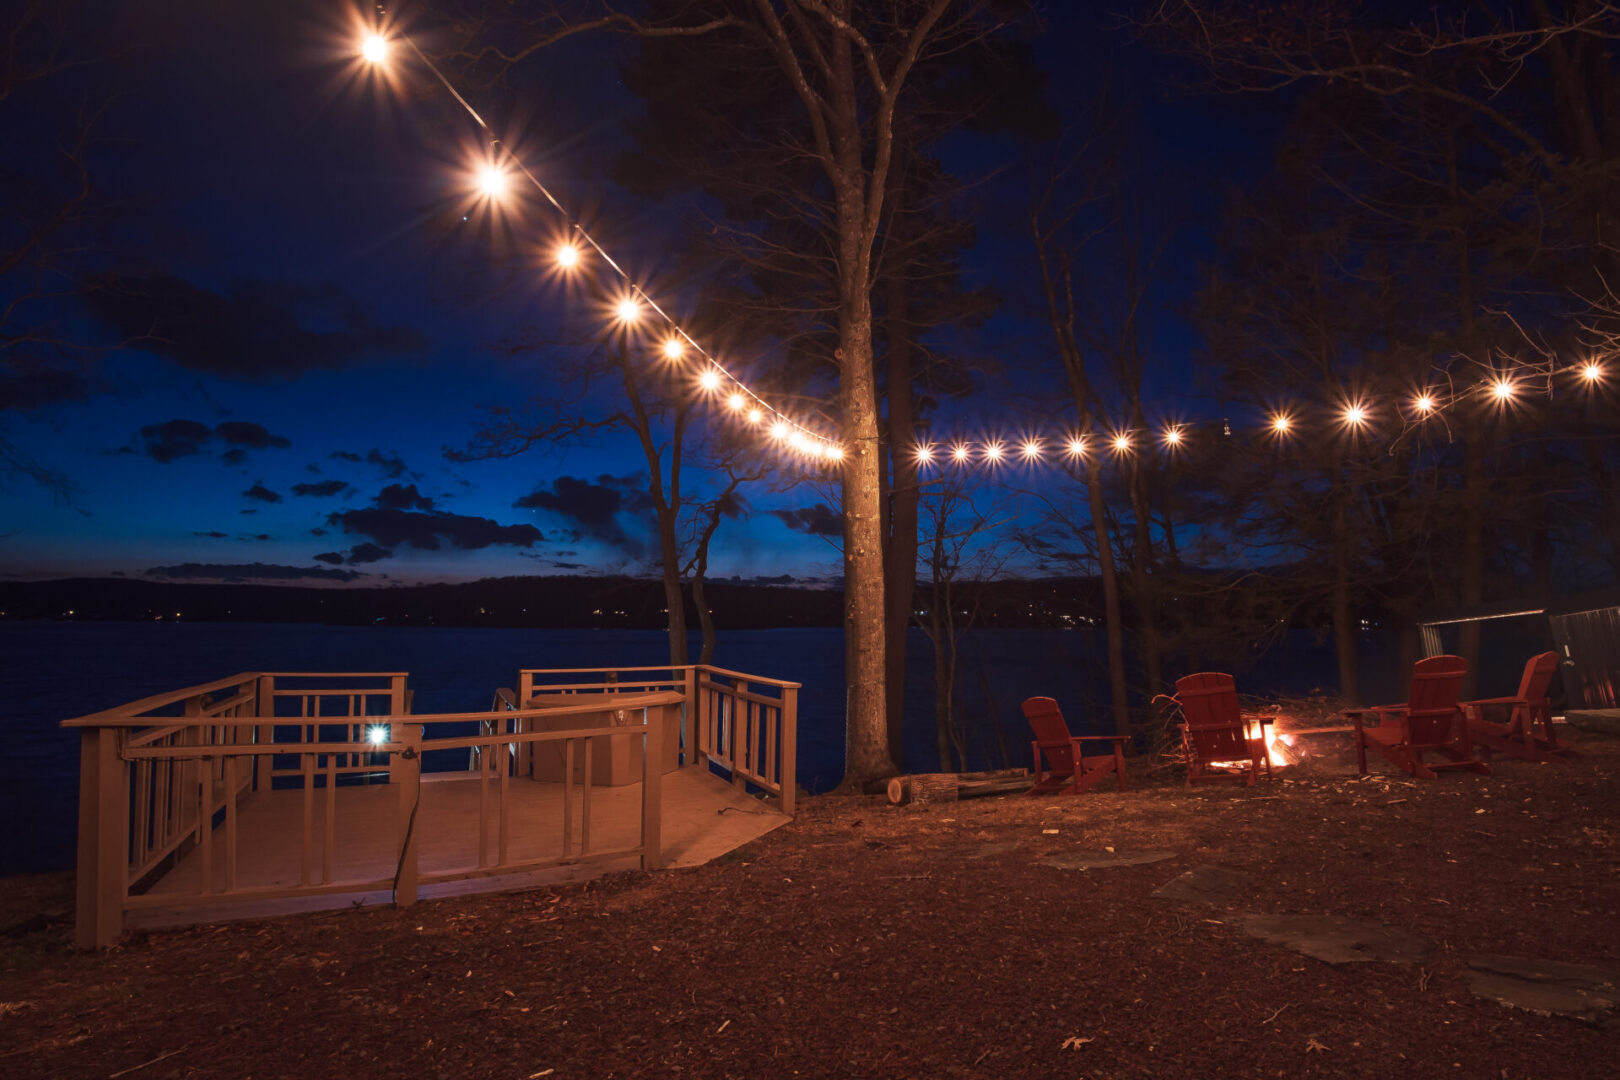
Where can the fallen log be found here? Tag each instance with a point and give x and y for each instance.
(924, 788)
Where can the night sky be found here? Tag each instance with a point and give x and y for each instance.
(300, 336)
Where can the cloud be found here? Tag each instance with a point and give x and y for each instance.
(347, 455)
(29, 387)
(262, 493)
(595, 508)
(368, 553)
(260, 536)
(251, 572)
(174, 439)
(260, 330)
(251, 510)
(322, 489)
(392, 465)
(317, 532)
(215, 535)
(331, 557)
(180, 438)
(391, 528)
(567, 565)
(406, 497)
(817, 520)
(247, 434)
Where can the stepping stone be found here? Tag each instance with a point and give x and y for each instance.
(1210, 884)
(1098, 860)
(1336, 940)
(1548, 987)
(992, 848)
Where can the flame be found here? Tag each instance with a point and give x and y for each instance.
(1275, 740)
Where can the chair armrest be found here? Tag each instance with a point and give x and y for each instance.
(1083, 738)
(1493, 701)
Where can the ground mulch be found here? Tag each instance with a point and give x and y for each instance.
(869, 940)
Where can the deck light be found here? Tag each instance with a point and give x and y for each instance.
(377, 734)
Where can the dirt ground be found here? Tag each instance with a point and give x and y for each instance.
(865, 940)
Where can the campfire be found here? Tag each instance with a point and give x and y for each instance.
(1282, 748)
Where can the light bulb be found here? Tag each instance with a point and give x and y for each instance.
(1032, 450)
(709, 380)
(567, 256)
(1592, 371)
(628, 311)
(755, 416)
(1503, 389)
(925, 454)
(674, 348)
(492, 181)
(736, 402)
(992, 451)
(960, 453)
(779, 429)
(374, 48)
(1172, 436)
(1122, 442)
(1280, 424)
(1355, 415)
(1077, 446)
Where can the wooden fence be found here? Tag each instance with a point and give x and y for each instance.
(167, 777)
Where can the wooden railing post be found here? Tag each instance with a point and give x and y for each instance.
(103, 840)
(407, 774)
(264, 707)
(789, 742)
(742, 712)
(689, 716)
(396, 696)
(652, 773)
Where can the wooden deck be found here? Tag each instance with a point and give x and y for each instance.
(703, 818)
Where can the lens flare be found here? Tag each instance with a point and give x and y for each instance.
(1281, 424)
(1503, 389)
(1592, 372)
(755, 416)
(959, 453)
(1172, 436)
(993, 452)
(925, 454)
(674, 348)
(1077, 446)
(736, 402)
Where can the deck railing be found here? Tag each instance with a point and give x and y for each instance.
(744, 725)
(167, 777)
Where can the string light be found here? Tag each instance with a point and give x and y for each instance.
(628, 312)
(673, 349)
(833, 452)
(1122, 442)
(1355, 414)
(1280, 423)
(1503, 389)
(959, 453)
(736, 402)
(709, 380)
(755, 416)
(1172, 436)
(779, 430)
(566, 256)
(1032, 450)
(374, 49)
(993, 452)
(925, 454)
(492, 181)
(1077, 446)
(1424, 404)
(1592, 372)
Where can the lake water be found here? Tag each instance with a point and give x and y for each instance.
(51, 671)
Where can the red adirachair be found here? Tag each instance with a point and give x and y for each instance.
(1431, 721)
(1070, 771)
(1518, 735)
(1215, 733)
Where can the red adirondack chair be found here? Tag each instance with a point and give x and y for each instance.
(1216, 734)
(1431, 721)
(1518, 735)
(1071, 772)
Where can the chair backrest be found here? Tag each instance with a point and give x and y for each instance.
(1051, 733)
(1538, 673)
(1431, 705)
(1209, 705)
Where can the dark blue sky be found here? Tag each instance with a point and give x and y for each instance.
(291, 223)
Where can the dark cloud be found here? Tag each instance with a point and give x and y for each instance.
(368, 553)
(567, 565)
(179, 438)
(391, 528)
(262, 493)
(403, 497)
(331, 557)
(251, 572)
(252, 436)
(260, 330)
(817, 520)
(347, 455)
(317, 532)
(215, 535)
(260, 536)
(174, 439)
(253, 510)
(322, 489)
(28, 387)
(779, 579)
(595, 508)
(392, 465)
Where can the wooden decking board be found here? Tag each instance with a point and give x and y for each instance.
(703, 818)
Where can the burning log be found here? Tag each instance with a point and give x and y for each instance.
(924, 788)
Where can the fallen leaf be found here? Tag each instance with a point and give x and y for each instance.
(1075, 1042)
(1314, 1047)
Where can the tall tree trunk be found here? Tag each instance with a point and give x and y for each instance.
(1345, 628)
(705, 620)
(900, 571)
(1112, 618)
(674, 598)
(1142, 583)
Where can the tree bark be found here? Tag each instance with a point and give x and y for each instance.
(900, 571)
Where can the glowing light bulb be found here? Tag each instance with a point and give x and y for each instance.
(1355, 414)
(1032, 450)
(377, 734)
(709, 380)
(779, 430)
(492, 181)
(628, 311)
(960, 453)
(799, 441)
(1172, 436)
(1503, 389)
(925, 454)
(1077, 446)
(374, 48)
(1122, 442)
(567, 256)
(736, 402)
(993, 451)
(1592, 371)
(833, 453)
(673, 348)
(1424, 404)
(755, 416)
